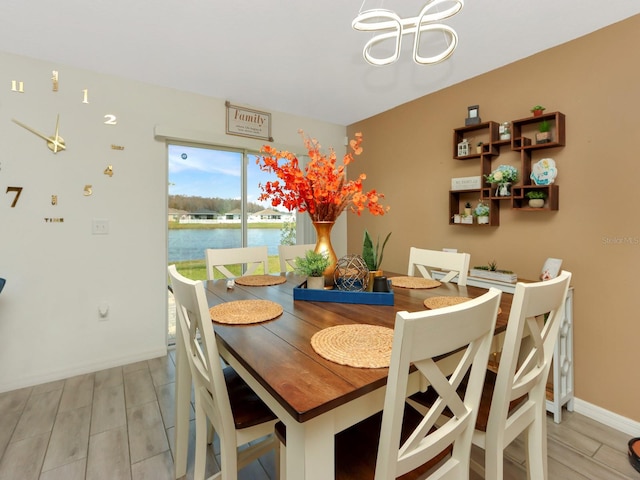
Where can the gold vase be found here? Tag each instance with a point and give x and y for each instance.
(323, 245)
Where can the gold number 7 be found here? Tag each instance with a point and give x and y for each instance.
(18, 191)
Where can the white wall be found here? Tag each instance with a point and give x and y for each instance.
(59, 273)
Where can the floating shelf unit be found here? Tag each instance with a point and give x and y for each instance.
(522, 141)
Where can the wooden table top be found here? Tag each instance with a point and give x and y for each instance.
(279, 355)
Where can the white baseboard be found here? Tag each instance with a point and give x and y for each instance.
(82, 369)
(613, 420)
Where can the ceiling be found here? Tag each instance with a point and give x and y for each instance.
(295, 56)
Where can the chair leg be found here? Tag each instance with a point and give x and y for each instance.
(494, 460)
(201, 442)
(536, 446)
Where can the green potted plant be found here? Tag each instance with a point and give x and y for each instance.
(536, 198)
(544, 132)
(481, 212)
(467, 209)
(479, 147)
(313, 266)
(537, 110)
(373, 256)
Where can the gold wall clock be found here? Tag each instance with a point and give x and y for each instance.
(56, 113)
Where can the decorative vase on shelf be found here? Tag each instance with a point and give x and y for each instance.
(504, 189)
(323, 245)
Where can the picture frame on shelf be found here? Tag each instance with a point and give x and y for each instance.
(473, 115)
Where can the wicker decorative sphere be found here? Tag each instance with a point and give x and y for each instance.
(351, 273)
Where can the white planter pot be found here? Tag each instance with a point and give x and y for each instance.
(483, 220)
(315, 283)
(536, 202)
(499, 276)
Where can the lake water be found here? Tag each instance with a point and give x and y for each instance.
(191, 244)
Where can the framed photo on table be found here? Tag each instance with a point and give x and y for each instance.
(551, 268)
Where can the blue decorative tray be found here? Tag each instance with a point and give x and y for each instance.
(301, 292)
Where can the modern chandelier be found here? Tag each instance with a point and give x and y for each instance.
(391, 26)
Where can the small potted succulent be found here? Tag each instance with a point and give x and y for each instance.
(479, 147)
(373, 256)
(544, 132)
(536, 198)
(467, 209)
(313, 266)
(537, 110)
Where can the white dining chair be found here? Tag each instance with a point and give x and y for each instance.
(288, 254)
(456, 264)
(249, 258)
(236, 413)
(514, 399)
(406, 441)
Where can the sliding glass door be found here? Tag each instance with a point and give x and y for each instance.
(213, 203)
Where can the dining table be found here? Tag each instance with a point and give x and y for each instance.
(314, 397)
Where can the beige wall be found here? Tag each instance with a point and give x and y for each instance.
(58, 274)
(408, 156)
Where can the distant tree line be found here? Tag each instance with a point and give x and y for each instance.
(219, 205)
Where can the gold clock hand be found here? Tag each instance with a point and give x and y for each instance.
(58, 142)
(54, 143)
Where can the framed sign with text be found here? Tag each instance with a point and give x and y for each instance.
(247, 122)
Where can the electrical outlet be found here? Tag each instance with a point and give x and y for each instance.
(100, 226)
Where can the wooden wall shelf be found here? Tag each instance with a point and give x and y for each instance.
(523, 141)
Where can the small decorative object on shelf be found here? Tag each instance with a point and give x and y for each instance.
(491, 272)
(504, 176)
(536, 198)
(473, 115)
(351, 273)
(468, 219)
(467, 208)
(505, 131)
(544, 172)
(464, 148)
(537, 110)
(544, 133)
(482, 213)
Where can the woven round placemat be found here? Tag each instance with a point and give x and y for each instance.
(361, 346)
(243, 312)
(439, 302)
(414, 282)
(260, 280)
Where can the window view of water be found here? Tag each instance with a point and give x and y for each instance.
(190, 244)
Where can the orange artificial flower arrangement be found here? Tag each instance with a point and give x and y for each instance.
(321, 188)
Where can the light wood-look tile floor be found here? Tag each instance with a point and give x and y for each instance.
(119, 424)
